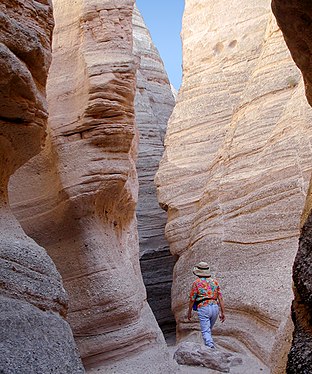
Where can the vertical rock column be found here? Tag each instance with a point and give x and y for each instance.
(91, 92)
(295, 21)
(34, 336)
(154, 102)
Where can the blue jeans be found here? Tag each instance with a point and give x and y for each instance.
(207, 317)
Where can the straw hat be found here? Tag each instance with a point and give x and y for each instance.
(202, 269)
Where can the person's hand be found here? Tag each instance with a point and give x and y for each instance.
(222, 317)
(189, 315)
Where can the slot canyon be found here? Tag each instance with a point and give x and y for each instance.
(113, 186)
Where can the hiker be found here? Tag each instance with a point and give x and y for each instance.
(206, 298)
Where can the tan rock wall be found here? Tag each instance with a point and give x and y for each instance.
(82, 189)
(236, 169)
(34, 336)
(94, 135)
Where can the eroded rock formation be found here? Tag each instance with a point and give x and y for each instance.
(154, 102)
(34, 336)
(236, 169)
(82, 189)
(295, 21)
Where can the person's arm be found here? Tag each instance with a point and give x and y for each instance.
(191, 300)
(190, 308)
(221, 303)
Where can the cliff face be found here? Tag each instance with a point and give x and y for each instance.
(154, 102)
(33, 301)
(294, 19)
(236, 168)
(82, 189)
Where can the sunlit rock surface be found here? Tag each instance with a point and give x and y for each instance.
(294, 19)
(35, 338)
(82, 189)
(154, 102)
(236, 169)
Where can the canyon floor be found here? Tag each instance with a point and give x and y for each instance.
(143, 364)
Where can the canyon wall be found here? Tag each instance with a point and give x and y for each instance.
(154, 102)
(35, 338)
(294, 19)
(235, 171)
(80, 193)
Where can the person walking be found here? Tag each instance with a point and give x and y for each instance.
(206, 298)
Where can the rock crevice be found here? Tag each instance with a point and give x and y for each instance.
(154, 102)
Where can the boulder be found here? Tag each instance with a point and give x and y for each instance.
(194, 354)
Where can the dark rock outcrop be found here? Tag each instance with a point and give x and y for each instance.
(300, 357)
(294, 17)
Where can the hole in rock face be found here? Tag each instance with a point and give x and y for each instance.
(218, 48)
(233, 44)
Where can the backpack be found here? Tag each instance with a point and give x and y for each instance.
(196, 302)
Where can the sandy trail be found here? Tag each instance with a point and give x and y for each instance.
(143, 363)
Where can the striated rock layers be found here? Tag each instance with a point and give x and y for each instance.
(81, 191)
(236, 169)
(34, 336)
(294, 19)
(154, 102)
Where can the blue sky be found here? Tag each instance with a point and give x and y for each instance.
(164, 19)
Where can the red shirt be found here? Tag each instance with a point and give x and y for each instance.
(205, 288)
